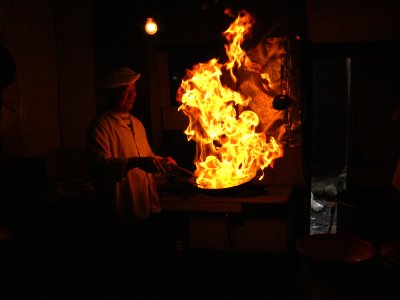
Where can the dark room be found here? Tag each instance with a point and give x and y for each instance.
(199, 149)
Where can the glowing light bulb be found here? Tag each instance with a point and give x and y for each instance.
(151, 26)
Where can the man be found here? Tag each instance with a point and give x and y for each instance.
(120, 158)
(122, 165)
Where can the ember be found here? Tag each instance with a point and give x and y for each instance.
(229, 151)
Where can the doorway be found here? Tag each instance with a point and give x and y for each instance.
(330, 102)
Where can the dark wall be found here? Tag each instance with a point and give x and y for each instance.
(189, 32)
(118, 41)
(354, 97)
(355, 128)
(38, 32)
(374, 135)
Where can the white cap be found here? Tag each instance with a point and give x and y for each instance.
(119, 77)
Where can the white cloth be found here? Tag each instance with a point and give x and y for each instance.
(124, 194)
(315, 206)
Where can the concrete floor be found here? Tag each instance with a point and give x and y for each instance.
(59, 252)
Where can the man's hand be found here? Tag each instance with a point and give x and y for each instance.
(167, 163)
(148, 164)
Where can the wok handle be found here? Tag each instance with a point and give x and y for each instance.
(183, 170)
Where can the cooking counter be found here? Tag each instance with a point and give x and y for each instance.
(252, 220)
(206, 201)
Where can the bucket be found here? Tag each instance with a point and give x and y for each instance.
(335, 248)
(336, 266)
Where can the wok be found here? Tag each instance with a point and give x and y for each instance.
(188, 177)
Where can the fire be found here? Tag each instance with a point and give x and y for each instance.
(229, 151)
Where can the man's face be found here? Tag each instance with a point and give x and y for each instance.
(126, 103)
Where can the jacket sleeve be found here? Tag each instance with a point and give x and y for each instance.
(102, 165)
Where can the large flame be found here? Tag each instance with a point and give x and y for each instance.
(229, 151)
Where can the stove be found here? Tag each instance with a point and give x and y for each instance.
(253, 220)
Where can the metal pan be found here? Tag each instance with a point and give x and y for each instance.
(181, 174)
(236, 190)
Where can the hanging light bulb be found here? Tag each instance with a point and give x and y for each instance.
(151, 26)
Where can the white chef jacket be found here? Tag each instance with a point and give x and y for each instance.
(124, 194)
